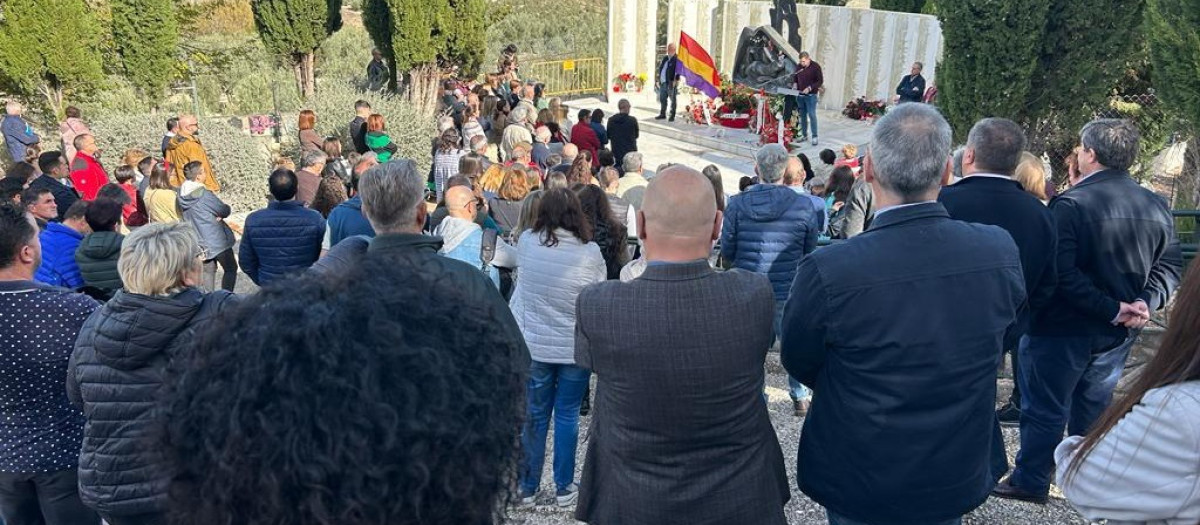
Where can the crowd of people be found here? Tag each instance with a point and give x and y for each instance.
(415, 332)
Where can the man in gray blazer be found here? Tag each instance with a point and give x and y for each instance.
(680, 432)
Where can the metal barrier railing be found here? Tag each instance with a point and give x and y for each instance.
(568, 77)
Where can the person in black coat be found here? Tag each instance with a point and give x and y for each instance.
(622, 132)
(54, 171)
(1118, 260)
(899, 331)
(912, 86)
(989, 195)
(115, 374)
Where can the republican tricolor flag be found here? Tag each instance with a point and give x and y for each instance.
(697, 67)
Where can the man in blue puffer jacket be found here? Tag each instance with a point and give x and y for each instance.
(59, 242)
(768, 229)
(282, 239)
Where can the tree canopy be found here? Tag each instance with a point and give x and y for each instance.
(415, 33)
(49, 47)
(294, 29)
(146, 34)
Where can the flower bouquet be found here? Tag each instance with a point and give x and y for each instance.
(863, 109)
(628, 82)
(694, 111)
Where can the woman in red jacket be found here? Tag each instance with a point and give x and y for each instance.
(583, 136)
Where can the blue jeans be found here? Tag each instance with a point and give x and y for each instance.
(667, 92)
(838, 519)
(797, 391)
(1066, 382)
(807, 106)
(556, 389)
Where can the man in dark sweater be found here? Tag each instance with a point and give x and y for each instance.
(989, 195)
(808, 82)
(1118, 260)
(358, 126)
(54, 171)
(622, 132)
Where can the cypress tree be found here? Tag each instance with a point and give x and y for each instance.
(1173, 31)
(903, 6)
(415, 33)
(294, 29)
(992, 49)
(1077, 68)
(49, 48)
(146, 35)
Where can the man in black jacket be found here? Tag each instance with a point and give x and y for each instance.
(622, 132)
(912, 86)
(666, 82)
(989, 195)
(358, 126)
(899, 331)
(54, 170)
(1118, 260)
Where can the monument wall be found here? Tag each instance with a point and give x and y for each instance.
(861, 51)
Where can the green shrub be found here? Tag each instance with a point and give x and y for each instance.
(334, 106)
(344, 56)
(241, 162)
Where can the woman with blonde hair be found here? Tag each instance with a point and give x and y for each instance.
(1031, 173)
(116, 371)
(505, 207)
(309, 139)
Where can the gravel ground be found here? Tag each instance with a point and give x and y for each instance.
(801, 510)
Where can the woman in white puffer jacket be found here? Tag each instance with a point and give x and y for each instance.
(557, 260)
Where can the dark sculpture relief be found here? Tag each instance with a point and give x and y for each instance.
(765, 61)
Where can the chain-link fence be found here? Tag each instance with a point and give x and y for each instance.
(1163, 145)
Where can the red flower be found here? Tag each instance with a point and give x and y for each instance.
(616, 88)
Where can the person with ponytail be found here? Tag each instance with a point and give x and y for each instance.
(1140, 463)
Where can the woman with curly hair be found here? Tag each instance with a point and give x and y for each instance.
(331, 191)
(580, 171)
(557, 260)
(355, 399)
(610, 234)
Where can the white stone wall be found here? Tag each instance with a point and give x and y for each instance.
(862, 52)
(632, 35)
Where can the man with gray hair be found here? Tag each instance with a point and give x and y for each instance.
(566, 159)
(516, 132)
(1118, 261)
(632, 186)
(687, 417)
(308, 177)
(768, 229)
(18, 134)
(479, 145)
(541, 148)
(899, 331)
(393, 200)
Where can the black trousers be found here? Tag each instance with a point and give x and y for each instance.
(228, 266)
(48, 498)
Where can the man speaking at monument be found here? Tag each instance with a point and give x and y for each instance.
(808, 82)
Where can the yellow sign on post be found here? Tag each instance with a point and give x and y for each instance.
(568, 65)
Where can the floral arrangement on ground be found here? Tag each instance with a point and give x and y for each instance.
(863, 109)
(628, 82)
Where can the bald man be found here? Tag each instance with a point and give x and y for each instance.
(793, 177)
(185, 147)
(680, 432)
(463, 239)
